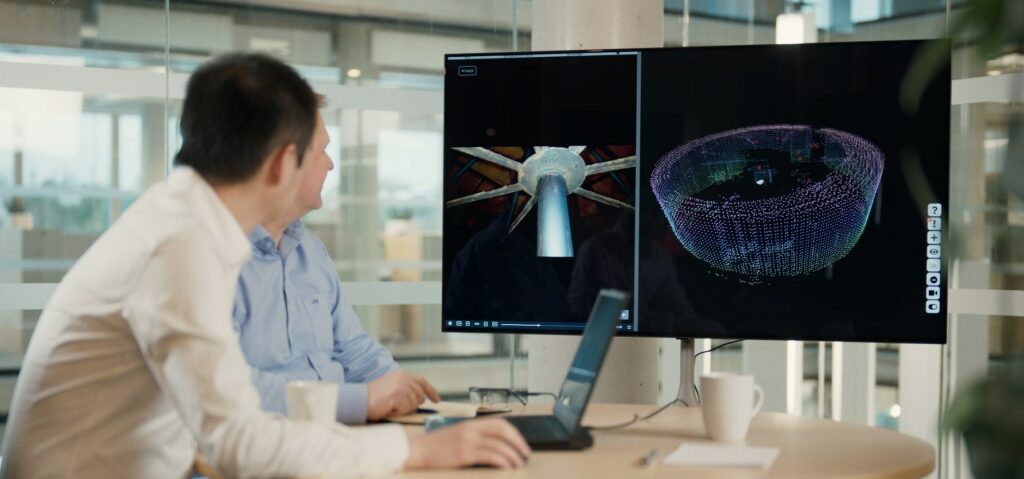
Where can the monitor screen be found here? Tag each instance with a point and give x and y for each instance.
(764, 192)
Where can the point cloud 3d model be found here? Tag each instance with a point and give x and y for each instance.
(769, 201)
(549, 175)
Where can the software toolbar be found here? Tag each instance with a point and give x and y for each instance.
(933, 260)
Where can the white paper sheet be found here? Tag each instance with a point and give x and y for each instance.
(711, 454)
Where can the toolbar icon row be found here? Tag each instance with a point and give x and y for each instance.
(933, 261)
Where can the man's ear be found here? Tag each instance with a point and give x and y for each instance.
(281, 165)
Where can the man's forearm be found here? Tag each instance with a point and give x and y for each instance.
(352, 403)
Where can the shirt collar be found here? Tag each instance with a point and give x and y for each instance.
(263, 243)
(230, 240)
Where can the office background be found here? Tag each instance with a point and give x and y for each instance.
(90, 93)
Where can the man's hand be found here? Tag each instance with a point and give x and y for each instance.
(397, 393)
(491, 442)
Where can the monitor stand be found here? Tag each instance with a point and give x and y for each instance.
(686, 396)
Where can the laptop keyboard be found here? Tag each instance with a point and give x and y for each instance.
(539, 428)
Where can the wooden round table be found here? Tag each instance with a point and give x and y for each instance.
(808, 448)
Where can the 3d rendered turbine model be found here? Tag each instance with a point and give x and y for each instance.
(769, 201)
(549, 175)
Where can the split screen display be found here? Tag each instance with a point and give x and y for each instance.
(762, 192)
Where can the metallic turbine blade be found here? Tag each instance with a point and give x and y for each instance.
(483, 195)
(619, 164)
(590, 195)
(522, 214)
(488, 155)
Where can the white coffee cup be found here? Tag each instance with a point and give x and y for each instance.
(728, 402)
(312, 401)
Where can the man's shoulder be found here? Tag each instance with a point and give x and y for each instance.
(161, 215)
(150, 224)
(318, 269)
(311, 243)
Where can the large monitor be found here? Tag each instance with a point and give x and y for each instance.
(763, 192)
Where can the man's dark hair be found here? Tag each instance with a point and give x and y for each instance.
(238, 109)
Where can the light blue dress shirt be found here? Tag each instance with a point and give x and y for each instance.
(294, 324)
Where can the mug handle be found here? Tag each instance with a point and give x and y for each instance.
(758, 400)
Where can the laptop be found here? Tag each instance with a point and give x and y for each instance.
(562, 429)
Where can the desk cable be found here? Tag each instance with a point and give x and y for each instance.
(637, 417)
(695, 356)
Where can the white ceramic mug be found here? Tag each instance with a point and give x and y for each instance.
(728, 402)
(312, 401)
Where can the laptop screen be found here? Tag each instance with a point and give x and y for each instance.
(579, 382)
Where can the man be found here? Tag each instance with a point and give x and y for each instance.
(134, 363)
(294, 323)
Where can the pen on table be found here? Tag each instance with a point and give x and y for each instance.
(648, 459)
